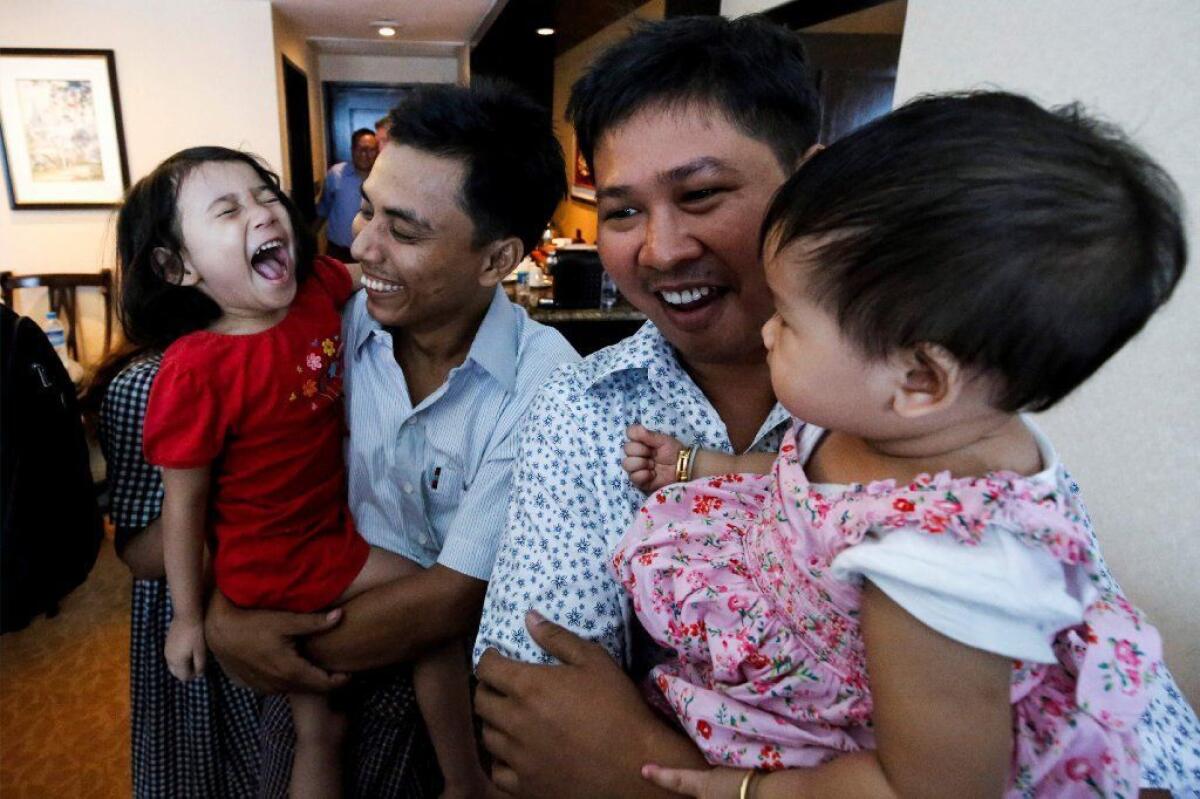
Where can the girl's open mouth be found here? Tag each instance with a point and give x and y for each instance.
(272, 260)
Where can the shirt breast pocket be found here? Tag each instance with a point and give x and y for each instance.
(443, 490)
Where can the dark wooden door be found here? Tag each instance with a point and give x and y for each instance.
(856, 77)
(299, 137)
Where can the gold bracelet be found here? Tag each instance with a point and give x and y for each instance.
(685, 461)
(744, 791)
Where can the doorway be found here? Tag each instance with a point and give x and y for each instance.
(350, 106)
(299, 139)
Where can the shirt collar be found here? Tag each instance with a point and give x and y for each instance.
(495, 344)
(648, 349)
(645, 349)
(494, 348)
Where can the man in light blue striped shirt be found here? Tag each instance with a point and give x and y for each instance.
(439, 369)
(429, 479)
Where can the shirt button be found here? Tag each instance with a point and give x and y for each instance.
(408, 489)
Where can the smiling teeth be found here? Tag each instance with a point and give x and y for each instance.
(686, 296)
(268, 246)
(378, 285)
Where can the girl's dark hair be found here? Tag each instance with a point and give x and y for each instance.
(1031, 244)
(153, 310)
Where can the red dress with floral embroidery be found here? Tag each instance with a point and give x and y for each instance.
(265, 411)
(733, 574)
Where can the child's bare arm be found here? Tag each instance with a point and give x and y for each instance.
(936, 702)
(185, 505)
(651, 458)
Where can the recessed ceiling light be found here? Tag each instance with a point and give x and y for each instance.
(545, 31)
(386, 27)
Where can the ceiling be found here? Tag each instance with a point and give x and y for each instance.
(342, 26)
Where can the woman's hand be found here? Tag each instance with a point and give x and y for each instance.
(712, 783)
(185, 650)
(650, 458)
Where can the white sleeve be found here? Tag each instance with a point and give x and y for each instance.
(1000, 596)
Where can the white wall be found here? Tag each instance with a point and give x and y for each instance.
(388, 69)
(188, 73)
(737, 8)
(1131, 435)
(884, 18)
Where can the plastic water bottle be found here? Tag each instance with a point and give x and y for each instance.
(608, 291)
(523, 293)
(57, 335)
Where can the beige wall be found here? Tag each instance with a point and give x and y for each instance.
(291, 44)
(1131, 435)
(188, 73)
(573, 214)
(388, 69)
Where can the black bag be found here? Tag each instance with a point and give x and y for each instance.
(50, 528)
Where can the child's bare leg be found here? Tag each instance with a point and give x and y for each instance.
(440, 680)
(320, 734)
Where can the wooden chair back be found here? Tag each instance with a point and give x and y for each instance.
(62, 290)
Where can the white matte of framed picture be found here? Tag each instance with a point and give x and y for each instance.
(60, 127)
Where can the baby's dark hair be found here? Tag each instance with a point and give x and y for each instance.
(153, 310)
(1031, 244)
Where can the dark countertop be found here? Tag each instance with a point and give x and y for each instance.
(622, 313)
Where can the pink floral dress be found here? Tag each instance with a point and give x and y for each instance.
(733, 574)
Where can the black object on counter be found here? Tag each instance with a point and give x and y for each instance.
(577, 275)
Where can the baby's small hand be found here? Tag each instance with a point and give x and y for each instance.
(185, 649)
(650, 458)
(713, 783)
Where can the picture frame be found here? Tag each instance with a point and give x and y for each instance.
(60, 129)
(583, 186)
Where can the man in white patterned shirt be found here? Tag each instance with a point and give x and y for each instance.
(685, 165)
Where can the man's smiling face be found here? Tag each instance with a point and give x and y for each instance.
(680, 194)
(414, 240)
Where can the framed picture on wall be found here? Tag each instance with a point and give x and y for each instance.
(583, 187)
(60, 129)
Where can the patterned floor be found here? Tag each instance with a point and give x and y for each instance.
(64, 695)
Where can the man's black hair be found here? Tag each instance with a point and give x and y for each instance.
(749, 69)
(358, 134)
(1031, 244)
(515, 173)
(153, 309)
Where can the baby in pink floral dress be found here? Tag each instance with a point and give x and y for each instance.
(908, 598)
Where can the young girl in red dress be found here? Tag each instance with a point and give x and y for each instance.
(246, 420)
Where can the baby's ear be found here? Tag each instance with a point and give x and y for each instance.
(931, 380)
(172, 268)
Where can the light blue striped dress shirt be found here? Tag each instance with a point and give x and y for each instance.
(431, 482)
